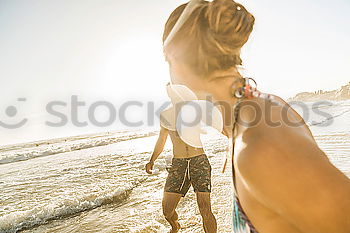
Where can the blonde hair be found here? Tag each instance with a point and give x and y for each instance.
(211, 38)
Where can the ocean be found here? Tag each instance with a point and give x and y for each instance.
(97, 183)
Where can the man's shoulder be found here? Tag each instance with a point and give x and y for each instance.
(168, 119)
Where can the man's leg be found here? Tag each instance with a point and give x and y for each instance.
(170, 201)
(209, 221)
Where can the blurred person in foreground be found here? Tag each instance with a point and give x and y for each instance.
(283, 182)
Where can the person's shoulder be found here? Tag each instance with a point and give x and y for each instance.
(166, 111)
(269, 134)
(274, 115)
(168, 119)
(283, 173)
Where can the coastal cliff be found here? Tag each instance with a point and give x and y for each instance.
(342, 93)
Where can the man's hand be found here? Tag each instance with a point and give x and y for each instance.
(149, 167)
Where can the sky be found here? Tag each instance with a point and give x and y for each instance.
(111, 50)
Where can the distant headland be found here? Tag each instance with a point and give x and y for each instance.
(342, 93)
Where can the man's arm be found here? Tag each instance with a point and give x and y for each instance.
(158, 148)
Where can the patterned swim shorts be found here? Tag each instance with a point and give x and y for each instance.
(184, 172)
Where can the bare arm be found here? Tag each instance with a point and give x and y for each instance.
(290, 175)
(158, 148)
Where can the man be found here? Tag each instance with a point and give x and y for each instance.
(190, 166)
